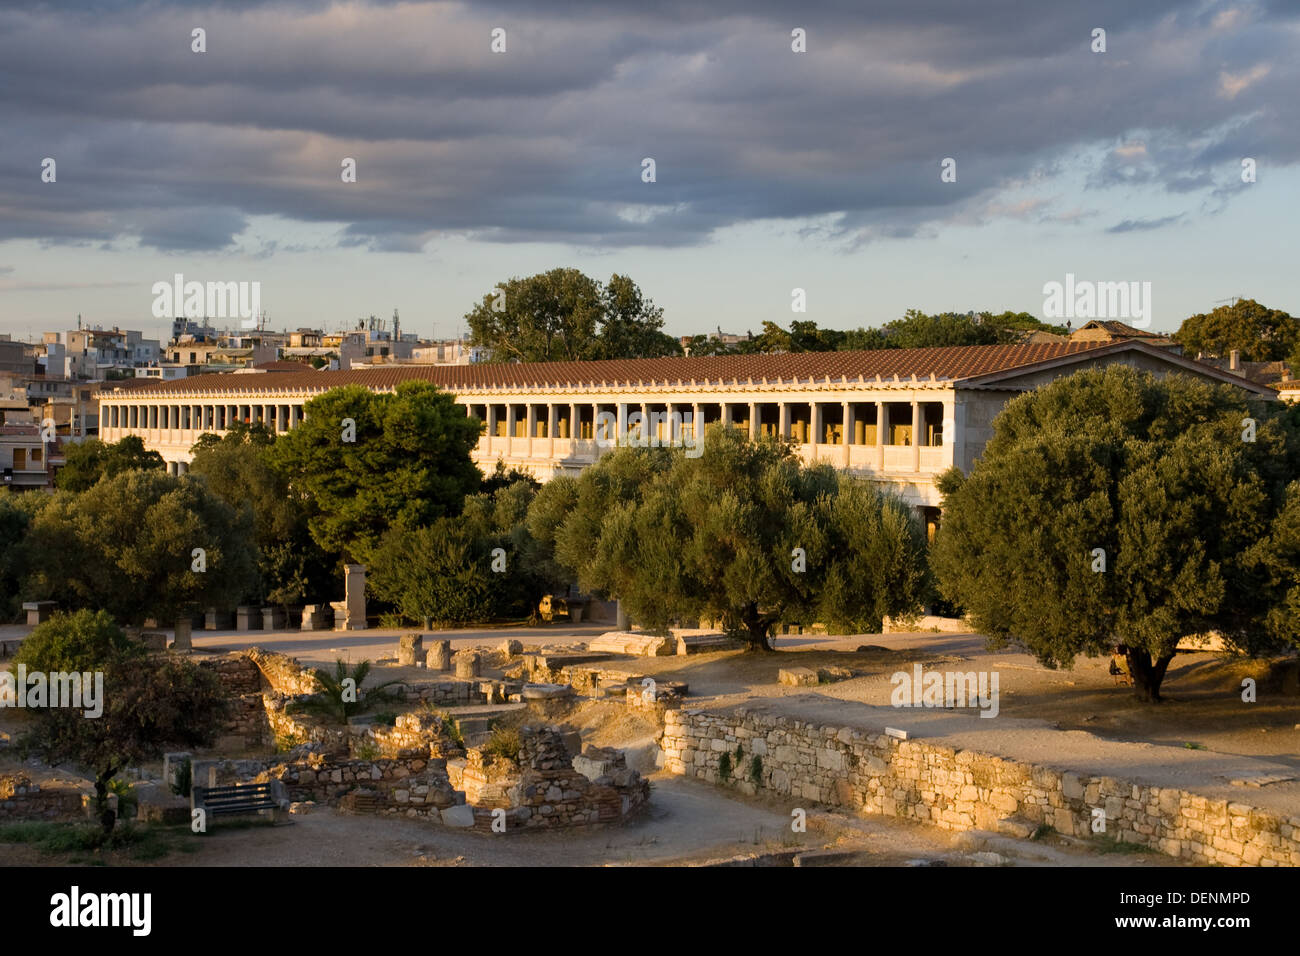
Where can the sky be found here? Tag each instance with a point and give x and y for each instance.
(819, 170)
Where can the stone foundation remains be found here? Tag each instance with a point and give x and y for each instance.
(867, 772)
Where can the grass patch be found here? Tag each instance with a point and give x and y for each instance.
(1042, 830)
(1191, 746)
(143, 843)
(505, 742)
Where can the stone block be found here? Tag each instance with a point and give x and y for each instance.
(248, 618)
(468, 664)
(512, 648)
(39, 611)
(217, 620)
(184, 640)
(313, 617)
(797, 676)
(461, 816)
(153, 640)
(439, 656)
(410, 648)
(273, 618)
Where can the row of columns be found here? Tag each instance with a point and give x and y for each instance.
(850, 433)
(532, 420)
(203, 417)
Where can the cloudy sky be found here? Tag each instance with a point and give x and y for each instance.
(774, 169)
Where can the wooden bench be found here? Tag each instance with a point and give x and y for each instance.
(237, 799)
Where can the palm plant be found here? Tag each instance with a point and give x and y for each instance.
(341, 696)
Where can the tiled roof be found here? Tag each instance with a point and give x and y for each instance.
(1115, 327)
(279, 365)
(943, 363)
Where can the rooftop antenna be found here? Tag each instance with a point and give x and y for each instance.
(1234, 299)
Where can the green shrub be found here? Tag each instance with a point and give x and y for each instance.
(365, 749)
(184, 779)
(724, 767)
(756, 771)
(505, 742)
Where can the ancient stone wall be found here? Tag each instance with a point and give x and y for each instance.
(22, 799)
(284, 674)
(961, 790)
(238, 674)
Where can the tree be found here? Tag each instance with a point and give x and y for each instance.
(341, 696)
(88, 461)
(564, 315)
(80, 641)
(549, 317)
(142, 544)
(14, 520)
(631, 325)
(1114, 508)
(917, 330)
(1259, 333)
(501, 477)
(745, 534)
(452, 572)
(407, 463)
(237, 467)
(149, 703)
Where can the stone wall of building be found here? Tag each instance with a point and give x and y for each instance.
(23, 799)
(962, 789)
(300, 728)
(547, 788)
(237, 673)
(419, 734)
(241, 683)
(283, 674)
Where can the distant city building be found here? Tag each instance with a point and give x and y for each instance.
(450, 352)
(27, 462)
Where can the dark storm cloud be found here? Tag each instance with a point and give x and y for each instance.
(179, 150)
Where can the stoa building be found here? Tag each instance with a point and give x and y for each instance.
(897, 417)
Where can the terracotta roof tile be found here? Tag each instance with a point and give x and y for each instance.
(943, 363)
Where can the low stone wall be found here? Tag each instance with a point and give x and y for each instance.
(545, 790)
(962, 790)
(284, 674)
(238, 674)
(454, 692)
(300, 728)
(419, 734)
(22, 799)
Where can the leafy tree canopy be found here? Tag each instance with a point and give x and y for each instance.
(237, 466)
(88, 461)
(564, 315)
(451, 571)
(745, 534)
(150, 703)
(127, 546)
(1260, 334)
(1150, 476)
(409, 463)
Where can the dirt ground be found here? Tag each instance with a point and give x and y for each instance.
(687, 823)
(1200, 737)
